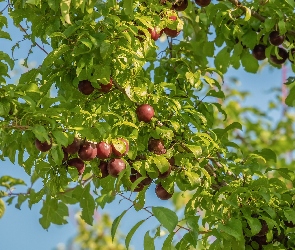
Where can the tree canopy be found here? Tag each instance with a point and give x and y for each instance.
(111, 112)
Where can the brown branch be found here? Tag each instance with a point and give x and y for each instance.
(254, 13)
(20, 127)
(36, 44)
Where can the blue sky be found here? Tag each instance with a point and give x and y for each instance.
(21, 229)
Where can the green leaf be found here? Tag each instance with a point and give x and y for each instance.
(247, 14)
(222, 59)
(233, 227)
(161, 163)
(166, 217)
(116, 223)
(53, 212)
(88, 206)
(267, 154)
(234, 125)
(290, 100)
(249, 62)
(60, 137)
(54, 55)
(7, 58)
(5, 35)
(249, 39)
(196, 150)
(34, 2)
(254, 224)
(105, 48)
(167, 245)
(86, 42)
(289, 214)
(4, 107)
(20, 200)
(291, 3)
(29, 76)
(40, 133)
(53, 4)
(2, 208)
(131, 233)
(8, 181)
(282, 27)
(148, 243)
(65, 6)
(128, 8)
(57, 154)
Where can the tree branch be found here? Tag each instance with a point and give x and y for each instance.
(254, 13)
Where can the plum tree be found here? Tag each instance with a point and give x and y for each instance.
(102, 90)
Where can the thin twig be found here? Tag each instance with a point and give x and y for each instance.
(20, 127)
(145, 209)
(36, 44)
(4, 8)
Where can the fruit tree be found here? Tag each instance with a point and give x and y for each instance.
(112, 112)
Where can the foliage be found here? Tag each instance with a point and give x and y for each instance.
(244, 190)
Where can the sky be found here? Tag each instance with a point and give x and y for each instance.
(20, 229)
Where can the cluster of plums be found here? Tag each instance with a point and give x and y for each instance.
(111, 162)
(275, 39)
(87, 151)
(114, 166)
